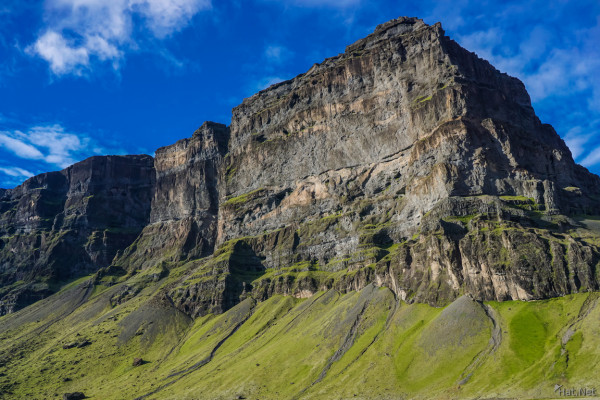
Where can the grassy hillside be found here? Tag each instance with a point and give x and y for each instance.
(363, 345)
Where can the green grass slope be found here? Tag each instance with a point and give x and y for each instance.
(364, 345)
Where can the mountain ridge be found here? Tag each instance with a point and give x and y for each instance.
(374, 228)
(357, 135)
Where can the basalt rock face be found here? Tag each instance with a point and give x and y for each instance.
(407, 162)
(407, 107)
(61, 225)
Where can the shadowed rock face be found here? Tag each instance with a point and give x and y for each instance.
(406, 161)
(61, 225)
(185, 204)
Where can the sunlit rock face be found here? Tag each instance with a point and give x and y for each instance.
(410, 162)
(406, 161)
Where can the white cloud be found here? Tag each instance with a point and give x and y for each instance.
(577, 140)
(276, 54)
(79, 32)
(16, 172)
(482, 42)
(340, 4)
(15, 143)
(318, 3)
(61, 56)
(328, 3)
(60, 146)
(50, 144)
(593, 158)
(572, 64)
(563, 71)
(166, 16)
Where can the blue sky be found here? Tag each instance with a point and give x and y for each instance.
(86, 77)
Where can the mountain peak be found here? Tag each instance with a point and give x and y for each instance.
(393, 28)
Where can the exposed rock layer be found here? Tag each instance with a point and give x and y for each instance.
(185, 204)
(406, 161)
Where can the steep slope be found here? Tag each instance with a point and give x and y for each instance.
(364, 345)
(62, 225)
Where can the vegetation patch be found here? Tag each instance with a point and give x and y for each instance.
(243, 198)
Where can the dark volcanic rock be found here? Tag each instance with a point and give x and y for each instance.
(185, 204)
(61, 225)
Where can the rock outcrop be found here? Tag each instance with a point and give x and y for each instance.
(406, 161)
(185, 203)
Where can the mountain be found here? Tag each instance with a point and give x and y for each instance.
(62, 225)
(370, 228)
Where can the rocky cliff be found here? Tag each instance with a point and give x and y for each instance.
(297, 253)
(62, 225)
(185, 203)
(406, 161)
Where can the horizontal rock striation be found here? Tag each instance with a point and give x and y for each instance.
(347, 174)
(406, 161)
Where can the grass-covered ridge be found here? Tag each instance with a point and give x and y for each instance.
(363, 344)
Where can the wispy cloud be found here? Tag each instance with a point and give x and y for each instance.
(16, 172)
(79, 33)
(563, 70)
(269, 69)
(276, 54)
(577, 140)
(16, 143)
(593, 158)
(63, 56)
(266, 82)
(319, 3)
(47, 147)
(49, 144)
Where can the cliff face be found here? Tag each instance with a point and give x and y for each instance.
(406, 161)
(185, 203)
(406, 170)
(61, 225)
(406, 109)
